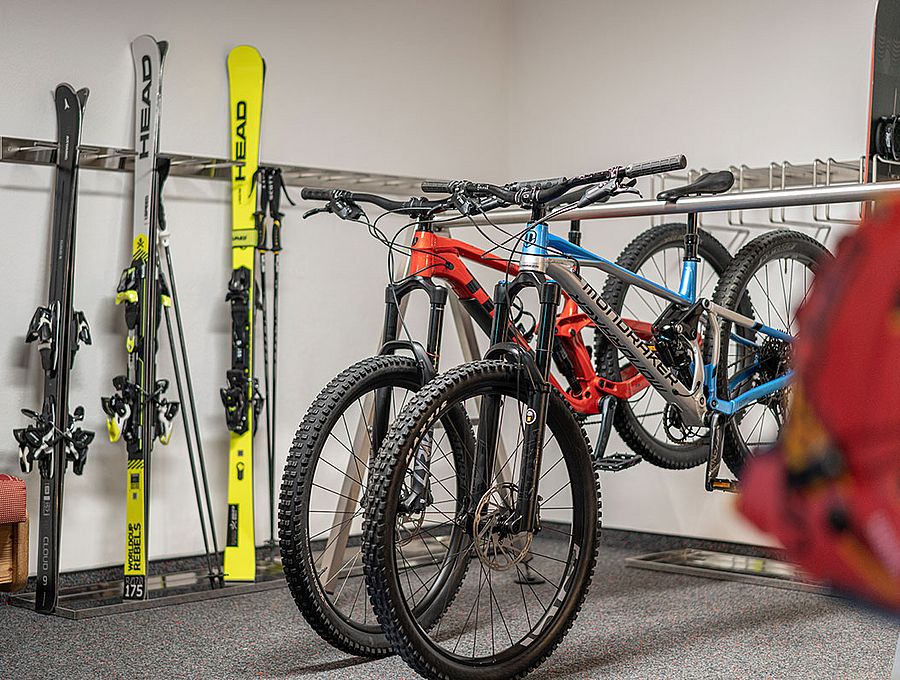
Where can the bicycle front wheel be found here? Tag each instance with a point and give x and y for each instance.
(522, 591)
(320, 510)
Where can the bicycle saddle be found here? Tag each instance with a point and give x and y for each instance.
(708, 183)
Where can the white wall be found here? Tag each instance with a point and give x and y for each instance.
(488, 89)
(348, 86)
(723, 81)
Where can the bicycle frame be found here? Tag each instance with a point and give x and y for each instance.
(542, 267)
(440, 257)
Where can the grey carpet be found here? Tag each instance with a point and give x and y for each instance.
(636, 624)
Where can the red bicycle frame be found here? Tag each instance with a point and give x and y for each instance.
(441, 257)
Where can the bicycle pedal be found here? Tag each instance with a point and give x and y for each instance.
(727, 485)
(616, 462)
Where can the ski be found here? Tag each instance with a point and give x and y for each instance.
(246, 72)
(139, 412)
(53, 439)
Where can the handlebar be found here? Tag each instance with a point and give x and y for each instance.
(542, 192)
(656, 167)
(412, 205)
(471, 197)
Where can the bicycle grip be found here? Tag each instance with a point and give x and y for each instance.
(656, 167)
(309, 194)
(436, 187)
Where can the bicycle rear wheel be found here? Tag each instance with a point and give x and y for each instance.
(771, 277)
(522, 591)
(656, 254)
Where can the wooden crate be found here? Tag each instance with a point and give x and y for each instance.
(13, 556)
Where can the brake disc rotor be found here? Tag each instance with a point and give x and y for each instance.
(496, 547)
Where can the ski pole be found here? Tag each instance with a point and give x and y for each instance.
(215, 576)
(263, 195)
(276, 191)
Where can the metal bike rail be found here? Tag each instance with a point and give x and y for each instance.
(29, 151)
(749, 200)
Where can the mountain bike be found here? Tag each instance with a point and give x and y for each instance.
(326, 473)
(525, 522)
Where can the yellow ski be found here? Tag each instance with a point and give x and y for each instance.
(246, 71)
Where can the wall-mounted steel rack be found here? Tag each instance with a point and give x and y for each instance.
(723, 203)
(780, 176)
(43, 152)
(776, 188)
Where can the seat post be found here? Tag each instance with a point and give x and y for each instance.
(691, 239)
(575, 232)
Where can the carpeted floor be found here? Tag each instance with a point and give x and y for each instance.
(636, 624)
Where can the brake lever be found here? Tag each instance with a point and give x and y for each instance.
(600, 192)
(346, 210)
(628, 188)
(464, 204)
(316, 211)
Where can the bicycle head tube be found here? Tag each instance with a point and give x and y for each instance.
(534, 248)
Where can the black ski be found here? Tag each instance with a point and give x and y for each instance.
(53, 440)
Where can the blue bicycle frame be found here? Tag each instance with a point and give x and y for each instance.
(544, 250)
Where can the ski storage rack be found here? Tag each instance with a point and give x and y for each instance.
(734, 202)
(100, 599)
(42, 152)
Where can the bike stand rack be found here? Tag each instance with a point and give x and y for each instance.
(105, 598)
(762, 571)
(895, 672)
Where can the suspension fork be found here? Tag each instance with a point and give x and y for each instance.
(536, 415)
(536, 378)
(429, 358)
(488, 430)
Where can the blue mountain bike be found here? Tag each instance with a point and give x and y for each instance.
(527, 498)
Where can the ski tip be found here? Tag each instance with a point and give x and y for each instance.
(144, 37)
(244, 52)
(143, 44)
(65, 92)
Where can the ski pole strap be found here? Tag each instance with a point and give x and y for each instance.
(163, 165)
(263, 193)
(278, 188)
